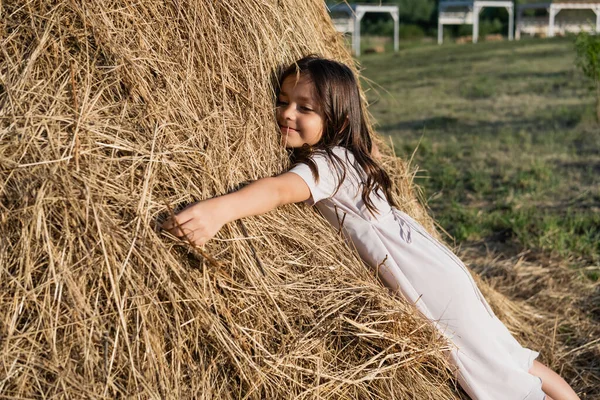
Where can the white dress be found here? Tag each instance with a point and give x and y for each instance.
(491, 364)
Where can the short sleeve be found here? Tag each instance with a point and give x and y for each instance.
(326, 185)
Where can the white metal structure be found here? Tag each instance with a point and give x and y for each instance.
(459, 12)
(535, 25)
(355, 13)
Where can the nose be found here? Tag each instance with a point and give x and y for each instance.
(286, 112)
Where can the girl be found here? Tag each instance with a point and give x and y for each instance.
(321, 121)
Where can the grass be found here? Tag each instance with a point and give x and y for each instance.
(505, 137)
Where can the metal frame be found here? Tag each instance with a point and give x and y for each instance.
(553, 9)
(356, 12)
(471, 16)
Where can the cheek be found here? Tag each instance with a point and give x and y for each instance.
(319, 130)
(319, 127)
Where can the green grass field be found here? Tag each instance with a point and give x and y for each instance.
(506, 141)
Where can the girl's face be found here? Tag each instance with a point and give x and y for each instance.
(298, 114)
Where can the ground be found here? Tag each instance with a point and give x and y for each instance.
(508, 148)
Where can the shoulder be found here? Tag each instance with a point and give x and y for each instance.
(330, 156)
(335, 159)
(342, 151)
(344, 159)
(336, 154)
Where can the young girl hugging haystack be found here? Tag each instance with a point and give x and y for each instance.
(334, 168)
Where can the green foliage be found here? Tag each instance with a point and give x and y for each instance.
(416, 10)
(377, 27)
(486, 27)
(587, 48)
(410, 31)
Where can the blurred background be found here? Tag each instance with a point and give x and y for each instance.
(504, 133)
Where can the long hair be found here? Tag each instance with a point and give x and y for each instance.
(336, 91)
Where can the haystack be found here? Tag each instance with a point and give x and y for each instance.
(111, 114)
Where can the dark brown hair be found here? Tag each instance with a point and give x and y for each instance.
(336, 91)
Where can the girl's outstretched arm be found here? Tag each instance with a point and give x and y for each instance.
(200, 221)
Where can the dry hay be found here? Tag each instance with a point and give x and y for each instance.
(110, 113)
(556, 310)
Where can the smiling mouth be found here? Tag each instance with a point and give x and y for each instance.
(287, 129)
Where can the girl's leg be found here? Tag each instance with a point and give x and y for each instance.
(553, 385)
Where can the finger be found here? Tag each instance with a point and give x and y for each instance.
(199, 242)
(181, 217)
(174, 221)
(179, 230)
(169, 223)
(190, 233)
(195, 238)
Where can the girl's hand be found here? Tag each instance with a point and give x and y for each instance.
(198, 222)
(201, 221)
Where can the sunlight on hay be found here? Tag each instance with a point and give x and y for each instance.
(110, 113)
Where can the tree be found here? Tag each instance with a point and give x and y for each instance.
(588, 60)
